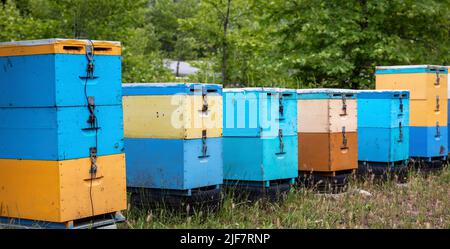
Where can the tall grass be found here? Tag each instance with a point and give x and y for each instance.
(423, 202)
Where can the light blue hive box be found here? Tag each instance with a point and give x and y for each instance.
(260, 137)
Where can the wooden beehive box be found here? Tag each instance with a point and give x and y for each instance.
(327, 130)
(428, 86)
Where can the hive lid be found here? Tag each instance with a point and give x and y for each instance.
(325, 93)
(382, 94)
(411, 69)
(58, 46)
(260, 89)
(129, 89)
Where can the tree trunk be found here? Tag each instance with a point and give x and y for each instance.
(225, 46)
(177, 73)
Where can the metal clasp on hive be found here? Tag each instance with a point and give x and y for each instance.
(280, 136)
(344, 139)
(204, 146)
(344, 105)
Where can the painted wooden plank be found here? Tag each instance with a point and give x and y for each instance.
(172, 116)
(343, 114)
(54, 80)
(259, 112)
(383, 144)
(59, 191)
(259, 159)
(175, 164)
(420, 85)
(428, 141)
(58, 46)
(313, 115)
(327, 152)
(59, 133)
(429, 112)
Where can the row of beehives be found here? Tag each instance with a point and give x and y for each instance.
(62, 147)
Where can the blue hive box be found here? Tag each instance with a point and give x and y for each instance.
(48, 73)
(252, 159)
(260, 135)
(158, 161)
(59, 133)
(428, 142)
(259, 112)
(174, 164)
(383, 126)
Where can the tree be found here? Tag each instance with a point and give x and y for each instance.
(338, 44)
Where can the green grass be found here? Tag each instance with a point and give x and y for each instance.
(424, 202)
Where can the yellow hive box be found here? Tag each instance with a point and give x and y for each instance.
(428, 112)
(60, 191)
(58, 46)
(420, 85)
(171, 116)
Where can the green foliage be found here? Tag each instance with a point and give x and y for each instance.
(294, 43)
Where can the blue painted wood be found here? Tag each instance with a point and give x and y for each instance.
(59, 133)
(174, 164)
(255, 112)
(259, 159)
(411, 69)
(383, 126)
(383, 109)
(428, 141)
(54, 80)
(107, 220)
(136, 89)
(383, 144)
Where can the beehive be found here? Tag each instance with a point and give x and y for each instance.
(383, 126)
(172, 110)
(327, 130)
(49, 73)
(58, 191)
(59, 133)
(173, 135)
(260, 142)
(428, 105)
(61, 130)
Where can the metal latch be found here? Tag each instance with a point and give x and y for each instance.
(280, 136)
(438, 130)
(91, 108)
(344, 105)
(438, 78)
(401, 103)
(400, 137)
(204, 146)
(437, 104)
(90, 57)
(205, 101)
(280, 103)
(344, 139)
(93, 157)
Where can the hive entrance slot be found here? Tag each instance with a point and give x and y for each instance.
(72, 48)
(102, 49)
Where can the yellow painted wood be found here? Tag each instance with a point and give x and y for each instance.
(58, 191)
(326, 115)
(59, 46)
(420, 85)
(171, 116)
(424, 112)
